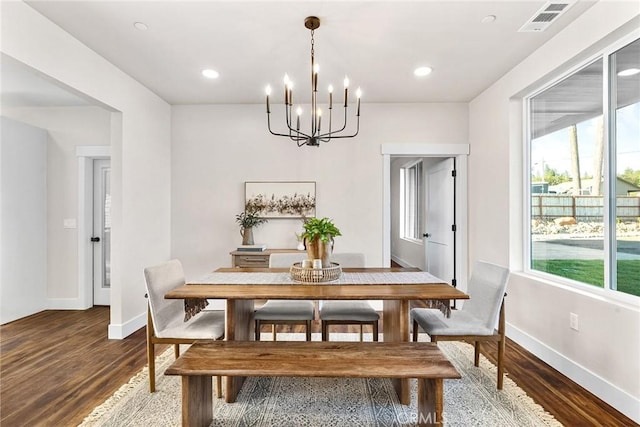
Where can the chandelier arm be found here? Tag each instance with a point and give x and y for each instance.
(301, 137)
(347, 136)
(344, 125)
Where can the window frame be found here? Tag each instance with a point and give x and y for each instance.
(418, 195)
(608, 291)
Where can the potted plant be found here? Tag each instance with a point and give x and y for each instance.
(318, 236)
(247, 220)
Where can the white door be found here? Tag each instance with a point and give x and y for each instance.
(439, 236)
(101, 237)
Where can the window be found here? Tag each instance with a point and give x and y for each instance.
(583, 135)
(411, 200)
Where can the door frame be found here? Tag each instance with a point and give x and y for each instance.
(458, 151)
(86, 154)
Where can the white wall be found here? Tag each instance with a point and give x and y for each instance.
(23, 220)
(215, 149)
(141, 167)
(68, 127)
(604, 356)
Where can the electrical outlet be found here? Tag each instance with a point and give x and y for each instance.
(573, 321)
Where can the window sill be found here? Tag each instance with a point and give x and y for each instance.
(590, 291)
(413, 241)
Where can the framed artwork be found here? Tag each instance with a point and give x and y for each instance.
(281, 199)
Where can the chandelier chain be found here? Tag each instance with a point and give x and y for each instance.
(312, 43)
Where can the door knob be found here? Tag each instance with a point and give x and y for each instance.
(426, 235)
(95, 239)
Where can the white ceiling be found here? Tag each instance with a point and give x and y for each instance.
(376, 43)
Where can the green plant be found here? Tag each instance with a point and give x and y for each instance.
(248, 219)
(323, 229)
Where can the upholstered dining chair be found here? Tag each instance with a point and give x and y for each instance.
(476, 321)
(279, 312)
(348, 312)
(166, 317)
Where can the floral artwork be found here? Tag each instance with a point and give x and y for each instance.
(281, 199)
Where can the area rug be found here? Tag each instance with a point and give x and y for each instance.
(265, 401)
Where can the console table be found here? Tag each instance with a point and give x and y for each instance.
(258, 259)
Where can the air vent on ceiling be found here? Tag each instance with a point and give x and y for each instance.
(546, 15)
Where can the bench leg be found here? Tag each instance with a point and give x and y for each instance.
(197, 401)
(430, 401)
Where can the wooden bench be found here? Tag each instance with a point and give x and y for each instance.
(203, 360)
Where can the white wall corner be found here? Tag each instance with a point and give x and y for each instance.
(123, 330)
(622, 401)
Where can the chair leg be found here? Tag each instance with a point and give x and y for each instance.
(176, 350)
(361, 332)
(257, 330)
(273, 331)
(415, 331)
(325, 332)
(151, 360)
(308, 330)
(219, 387)
(501, 345)
(151, 355)
(375, 331)
(476, 353)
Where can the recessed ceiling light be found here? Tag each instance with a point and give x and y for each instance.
(422, 71)
(488, 19)
(629, 72)
(211, 74)
(141, 26)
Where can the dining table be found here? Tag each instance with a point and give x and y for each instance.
(241, 287)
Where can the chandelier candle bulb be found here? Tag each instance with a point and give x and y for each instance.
(330, 96)
(268, 92)
(346, 91)
(358, 95)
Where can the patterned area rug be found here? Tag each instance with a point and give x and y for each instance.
(265, 401)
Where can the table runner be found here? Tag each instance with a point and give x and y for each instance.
(193, 306)
(346, 278)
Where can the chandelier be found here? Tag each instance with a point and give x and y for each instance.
(315, 136)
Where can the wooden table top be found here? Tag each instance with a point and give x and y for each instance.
(326, 291)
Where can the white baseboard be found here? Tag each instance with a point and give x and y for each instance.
(65, 304)
(402, 262)
(622, 401)
(123, 330)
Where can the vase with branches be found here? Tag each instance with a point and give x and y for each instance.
(248, 220)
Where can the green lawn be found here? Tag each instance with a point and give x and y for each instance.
(592, 272)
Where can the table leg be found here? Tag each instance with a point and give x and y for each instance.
(197, 401)
(430, 401)
(395, 323)
(239, 327)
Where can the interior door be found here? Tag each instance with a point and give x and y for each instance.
(101, 238)
(439, 236)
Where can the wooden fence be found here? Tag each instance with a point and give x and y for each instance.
(547, 207)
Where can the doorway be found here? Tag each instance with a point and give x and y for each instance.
(94, 225)
(457, 153)
(101, 236)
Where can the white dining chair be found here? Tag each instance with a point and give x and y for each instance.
(478, 318)
(166, 317)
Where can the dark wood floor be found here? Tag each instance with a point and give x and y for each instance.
(56, 366)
